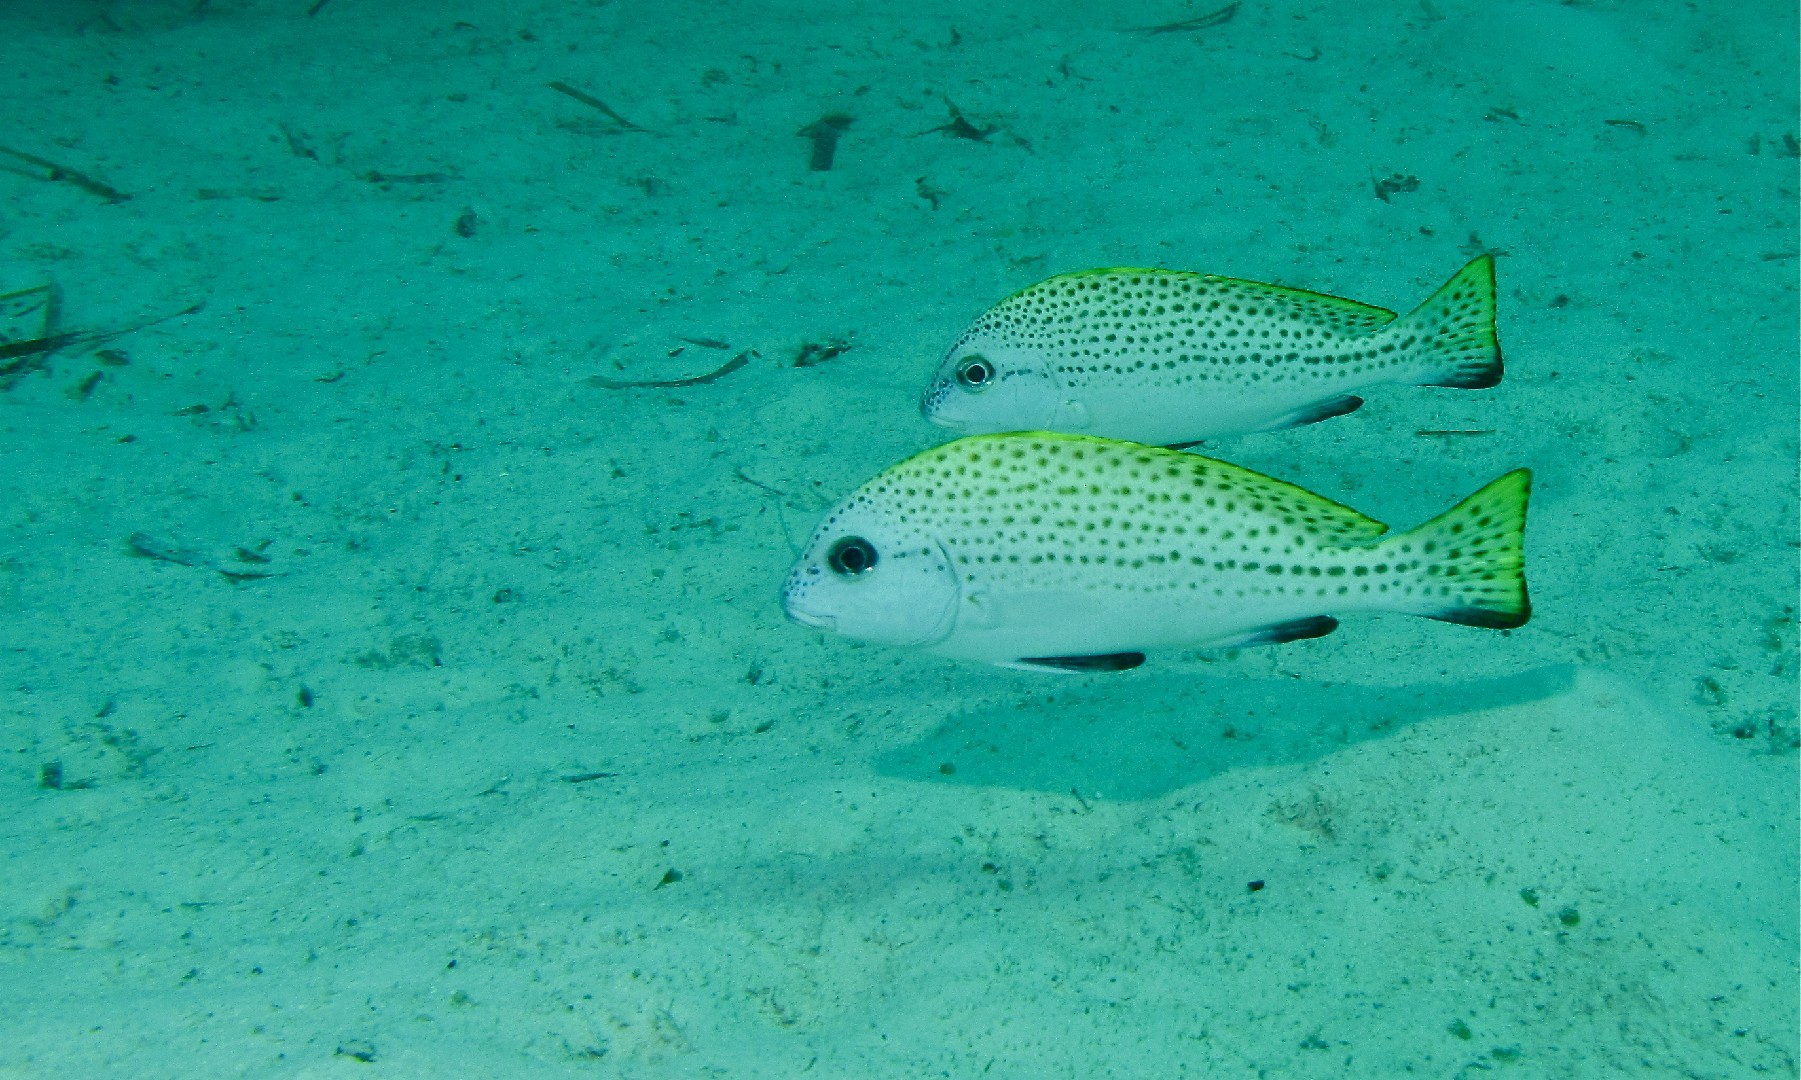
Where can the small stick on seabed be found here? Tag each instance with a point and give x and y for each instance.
(1199, 22)
(52, 171)
(720, 372)
(145, 546)
(595, 103)
(35, 346)
(771, 489)
(1441, 433)
(17, 357)
(582, 778)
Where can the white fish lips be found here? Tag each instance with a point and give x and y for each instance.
(792, 593)
(798, 614)
(935, 394)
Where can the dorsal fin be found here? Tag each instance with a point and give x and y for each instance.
(1333, 522)
(1318, 309)
(1338, 522)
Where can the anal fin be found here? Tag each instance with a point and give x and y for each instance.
(1293, 630)
(1319, 410)
(1121, 661)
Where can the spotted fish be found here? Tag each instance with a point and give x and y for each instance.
(1068, 552)
(1159, 356)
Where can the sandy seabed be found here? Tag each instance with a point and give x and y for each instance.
(387, 695)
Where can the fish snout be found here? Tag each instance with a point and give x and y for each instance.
(930, 397)
(794, 595)
(812, 620)
(932, 407)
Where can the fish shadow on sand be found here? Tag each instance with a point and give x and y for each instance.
(1171, 731)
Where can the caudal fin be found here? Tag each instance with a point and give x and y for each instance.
(1469, 562)
(1453, 333)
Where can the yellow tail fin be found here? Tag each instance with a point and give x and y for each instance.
(1471, 558)
(1453, 333)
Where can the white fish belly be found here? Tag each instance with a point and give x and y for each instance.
(1176, 414)
(1000, 628)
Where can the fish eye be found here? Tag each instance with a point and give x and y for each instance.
(851, 556)
(975, 373)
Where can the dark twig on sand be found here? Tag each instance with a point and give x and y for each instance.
(1199, 22)
(595, 103)
(50, 170)
(727, 368)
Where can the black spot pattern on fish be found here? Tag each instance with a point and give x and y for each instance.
(1048, 509)
(1167, 328)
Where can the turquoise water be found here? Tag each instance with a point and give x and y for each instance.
(390, 691)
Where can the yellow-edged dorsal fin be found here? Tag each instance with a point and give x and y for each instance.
(1332, 522)
(1319, 309)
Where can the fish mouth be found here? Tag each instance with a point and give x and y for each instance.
(929, 407)
(798, 614)
(951, 423)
